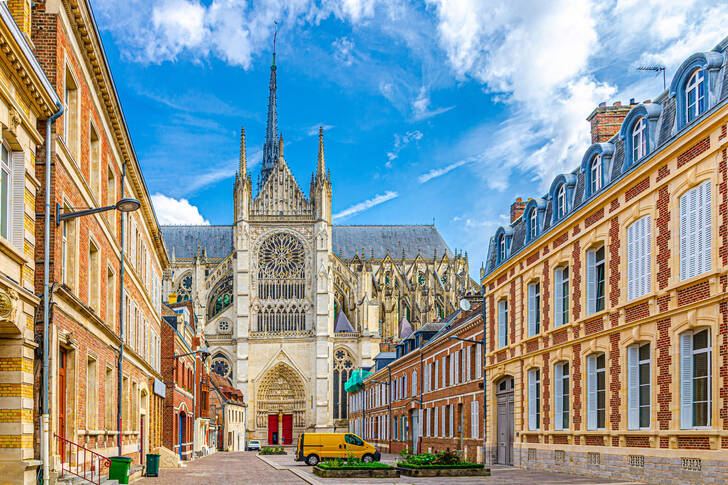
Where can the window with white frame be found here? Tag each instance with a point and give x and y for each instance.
(595, 269)
(502, 249)
(639, 256)
(695, 95)
(596, 399)
(595, 174)
(534, 223)
(414, 383)
(561, 296)
(5, 192)
(638, 386)
(695, 375)
(502, 323)
(451, 430)
(639, 139)
(435, 419)
(695, 231)
(561, 396)
(561, 201)
(534, 308)
(534, 399)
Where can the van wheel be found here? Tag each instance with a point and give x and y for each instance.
(367, 458)
(312, 460)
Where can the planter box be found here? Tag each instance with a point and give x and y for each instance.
(356, 472)
(443, 472)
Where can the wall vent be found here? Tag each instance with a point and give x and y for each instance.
(595, 458)
(559, 456)
(692, 464)
(531, 454)
(637, 461)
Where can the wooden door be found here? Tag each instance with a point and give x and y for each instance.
(62, 367)
(287, 429)
(272, 429)
(141, 440)
(505, 423)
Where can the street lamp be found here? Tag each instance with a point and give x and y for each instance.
(126, 204)
(204, 353)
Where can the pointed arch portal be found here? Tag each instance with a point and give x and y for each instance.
(281, 403)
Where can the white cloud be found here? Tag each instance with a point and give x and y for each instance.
(343, 51)
(438, 172)
(314, 129)
(172, 211)
(421, 107)
(367, 204)
(400, 142)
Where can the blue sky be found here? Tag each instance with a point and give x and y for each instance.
(433, 110)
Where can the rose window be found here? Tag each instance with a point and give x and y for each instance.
(220, 366)
(281, 256)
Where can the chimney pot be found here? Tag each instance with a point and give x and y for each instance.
(617, 103)
(517, 209)
(632, 101)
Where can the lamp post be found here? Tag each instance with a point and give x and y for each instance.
(485, 387)
(125, 204)
(205, 354)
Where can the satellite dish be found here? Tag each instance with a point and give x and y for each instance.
(464, 305)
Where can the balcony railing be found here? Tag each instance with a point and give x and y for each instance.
(81, 462)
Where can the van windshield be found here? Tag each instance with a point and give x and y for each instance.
(353, 440)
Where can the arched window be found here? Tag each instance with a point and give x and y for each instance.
(221, 366)
(595, 172)
(281, 268)
(221, 297)
(502, 249)
(533, 223)
(695, 95)
(639, 140)
(561, 202)
(184, 288)
(343, 366)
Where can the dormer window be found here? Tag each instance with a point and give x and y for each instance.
(502, 249)
(534, 211)
(503, 239)
(639, 140)
(695, 95)
(596, 174)
(561, 202)
(533, 223)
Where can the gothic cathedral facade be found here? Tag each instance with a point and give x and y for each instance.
(291, 304)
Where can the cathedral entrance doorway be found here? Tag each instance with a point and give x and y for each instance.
(281, 404)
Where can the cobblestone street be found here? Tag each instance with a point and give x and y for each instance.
(248, 468)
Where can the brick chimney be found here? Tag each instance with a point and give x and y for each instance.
(517, 209)
(20, 9)
(606, 120)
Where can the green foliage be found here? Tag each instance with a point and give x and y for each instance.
(351, 463)
(444, 458)
(272, 450)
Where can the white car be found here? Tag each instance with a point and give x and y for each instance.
(254, 445)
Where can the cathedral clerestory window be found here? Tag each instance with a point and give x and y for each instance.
(222, 297)
(221, 366)
(184, 288)
(343, 366)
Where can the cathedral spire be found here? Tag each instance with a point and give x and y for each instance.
(243, 169)
(321, 167)
(270, 146)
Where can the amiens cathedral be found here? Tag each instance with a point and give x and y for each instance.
(290, 303)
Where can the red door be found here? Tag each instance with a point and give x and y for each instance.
(272, 429)
(287, 429)
(62, 364)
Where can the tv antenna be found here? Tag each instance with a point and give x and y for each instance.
(655, 68)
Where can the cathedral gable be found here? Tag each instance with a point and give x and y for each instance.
(280, 195)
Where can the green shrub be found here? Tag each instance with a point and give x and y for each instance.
(445, 458)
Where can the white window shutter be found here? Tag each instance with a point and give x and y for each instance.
(646, 255)
(427, 422)
(451, 380)
(591, 287)
(474, 418)
(591, 393)
(437, 374)
(502, 322)
(414, 384)
(456, 367)
(705, 225)
(631, 257)
(436, 418)
(633, 387)
(531, 310)
(16, 232)
(478, 362)
(686, 380)
(452, 420)
(558, 401)
(463, 364)
(558, 297)
(468, 364)
(693, 243)
(684, 209)
(532, 399)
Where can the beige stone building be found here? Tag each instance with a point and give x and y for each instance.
(292, 303)
(27, 100)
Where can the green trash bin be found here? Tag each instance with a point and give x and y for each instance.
(152, 464)
(119, 469)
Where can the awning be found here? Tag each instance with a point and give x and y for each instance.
(354, 382)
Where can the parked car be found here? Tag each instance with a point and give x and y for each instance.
(254, 445)
(315, 447)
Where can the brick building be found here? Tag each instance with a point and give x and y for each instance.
(27, 100)
(187, 403)
(230, 413)
(606, 299)
(428, 395)
(93, 165)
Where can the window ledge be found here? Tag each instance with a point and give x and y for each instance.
(12, 252)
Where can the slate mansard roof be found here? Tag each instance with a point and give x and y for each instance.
(666, 129)
(347, 240)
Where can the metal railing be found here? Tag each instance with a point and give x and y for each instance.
(87, 465)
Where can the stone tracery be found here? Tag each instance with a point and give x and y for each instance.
(281, 390)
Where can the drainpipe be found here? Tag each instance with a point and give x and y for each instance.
(389, 402)
(420, 424)
(194, 410)
(120, 370)
(45, 421)
(485, 386)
